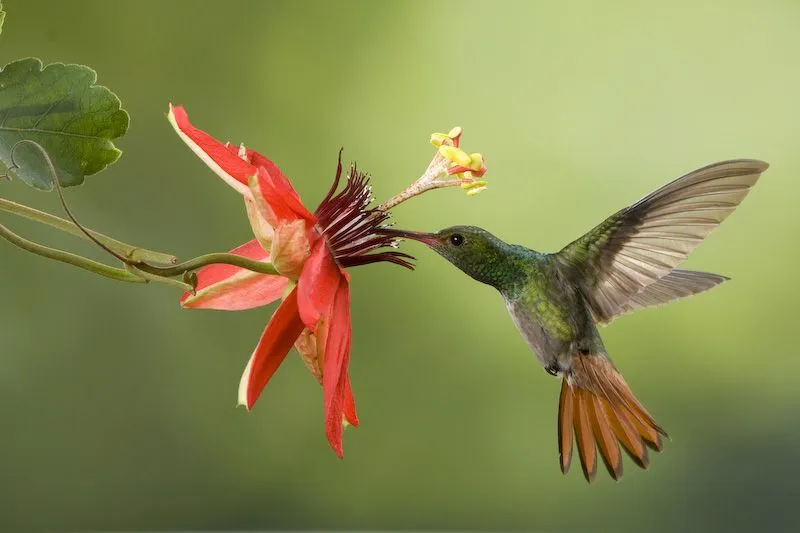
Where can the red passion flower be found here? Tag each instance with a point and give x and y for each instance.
(310, 252)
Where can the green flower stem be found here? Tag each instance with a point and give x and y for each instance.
(138, 258)
(168, 281)
(141, 272)
(136, 254)
(259, 267)
(119, 274)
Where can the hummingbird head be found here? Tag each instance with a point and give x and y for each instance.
(475, 251)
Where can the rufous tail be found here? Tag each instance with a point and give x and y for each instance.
(597, 406)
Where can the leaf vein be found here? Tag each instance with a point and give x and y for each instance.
(51, 132)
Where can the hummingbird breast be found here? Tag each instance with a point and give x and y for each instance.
(552, 316)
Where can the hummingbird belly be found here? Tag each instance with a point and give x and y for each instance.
(550, 338)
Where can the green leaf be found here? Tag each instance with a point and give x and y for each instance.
(59, 107)
(2, 16)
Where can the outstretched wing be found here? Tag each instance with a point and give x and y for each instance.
(642, 243)
(677, 284)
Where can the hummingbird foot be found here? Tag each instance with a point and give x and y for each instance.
(554, 369)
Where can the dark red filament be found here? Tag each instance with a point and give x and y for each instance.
(351, 229)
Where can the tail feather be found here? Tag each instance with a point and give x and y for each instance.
(606, 441)
(627, 436)
(565, 426)
(650, 434)
(583, 435)
(598, 407)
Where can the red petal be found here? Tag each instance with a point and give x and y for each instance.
(224, 162)
(288, 195)
(281, 197)
(349, 403)
(273, 170)
(317, 285)
(276, 341)
(270, 205)
(336, 359)
(232, 288)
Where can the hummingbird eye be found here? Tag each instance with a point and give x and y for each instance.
(456, 239)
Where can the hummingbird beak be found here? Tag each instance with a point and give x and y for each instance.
(429, 239)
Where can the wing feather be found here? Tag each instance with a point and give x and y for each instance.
(677, 284)
(643, 243)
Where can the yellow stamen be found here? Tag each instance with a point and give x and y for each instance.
(477, 161)
(456, 155)
(473, 185)
(438, 139)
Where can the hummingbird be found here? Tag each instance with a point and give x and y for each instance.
(557, 300)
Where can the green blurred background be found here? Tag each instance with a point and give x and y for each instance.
(118, 409)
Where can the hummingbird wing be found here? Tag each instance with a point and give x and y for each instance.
(644, 242)
(677, 284)
(596, 405)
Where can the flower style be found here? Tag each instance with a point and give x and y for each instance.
(310, 252)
